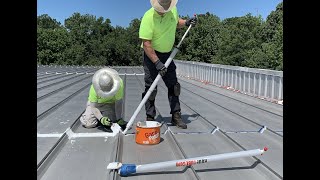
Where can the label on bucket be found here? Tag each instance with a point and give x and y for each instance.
(153, 136)
(148, 132)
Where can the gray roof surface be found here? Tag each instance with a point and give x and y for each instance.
(219, 121)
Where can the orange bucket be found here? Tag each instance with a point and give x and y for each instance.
(148, 132)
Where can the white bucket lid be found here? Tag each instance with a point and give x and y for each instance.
(148, 124)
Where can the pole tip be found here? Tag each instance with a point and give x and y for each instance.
(265, 149)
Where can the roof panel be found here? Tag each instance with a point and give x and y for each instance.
(246, 98)
(217, 143)
(82, 158)
(62, 118)
(133, 96)
(273, 157)
(233, 107)
(204, 107)
(145, 154)
(44, 145)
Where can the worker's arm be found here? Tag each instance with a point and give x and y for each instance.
(118, 109)
(149, 50)
(95, 110)
(153, 57)
(104, 120)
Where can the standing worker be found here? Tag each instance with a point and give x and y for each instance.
(105, 100)
(157, 31)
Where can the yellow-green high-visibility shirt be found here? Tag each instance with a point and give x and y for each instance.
(161, 30)
(94, 98)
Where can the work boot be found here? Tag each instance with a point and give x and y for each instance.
(149, 118)
(122, 123)
(177, 120)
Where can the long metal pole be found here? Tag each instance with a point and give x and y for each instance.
(128, 169)
(172, 55)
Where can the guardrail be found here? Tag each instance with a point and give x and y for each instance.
(262, 83)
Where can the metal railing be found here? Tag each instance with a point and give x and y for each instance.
(256, 82)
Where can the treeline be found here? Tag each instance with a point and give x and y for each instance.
(247, 41)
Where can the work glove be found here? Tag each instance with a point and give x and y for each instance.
(122, 123)
(106, 121)
(192, 21)
(160, 67)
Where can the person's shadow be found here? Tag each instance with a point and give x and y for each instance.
(104, 128)
(186, 118)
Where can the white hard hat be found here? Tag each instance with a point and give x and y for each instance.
(106, 82)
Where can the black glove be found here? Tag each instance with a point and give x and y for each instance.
(192, 21)
(160, 67)
(122, 123)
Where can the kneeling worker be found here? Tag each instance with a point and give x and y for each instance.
(105, 100)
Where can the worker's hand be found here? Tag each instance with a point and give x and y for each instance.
(160, 67)
(122, 123)
(192, 21)
(106, 121)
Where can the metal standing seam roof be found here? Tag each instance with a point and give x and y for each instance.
(219, 121)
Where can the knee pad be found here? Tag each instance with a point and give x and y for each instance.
(153, 94)
(176, 89)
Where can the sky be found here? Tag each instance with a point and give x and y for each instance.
(121, 12)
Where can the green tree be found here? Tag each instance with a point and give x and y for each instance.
(201, 42)
(134, 43)
(46, 22)
(273, 38)
(86, 40)
(239, 35)
(51, 45)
